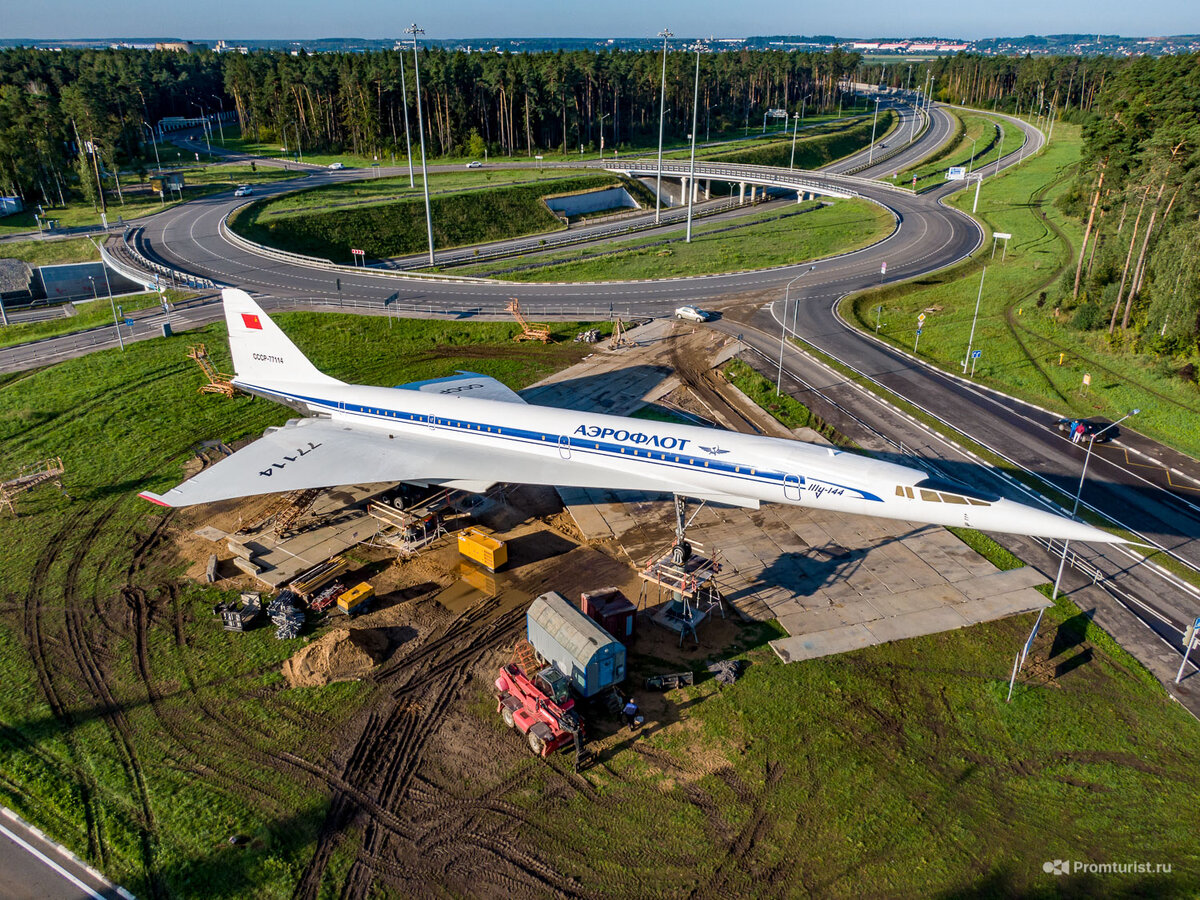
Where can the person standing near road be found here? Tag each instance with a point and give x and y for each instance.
(631, 709)
(1077, 435)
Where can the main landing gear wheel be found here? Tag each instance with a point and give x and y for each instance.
(536, 744)
(681, 553)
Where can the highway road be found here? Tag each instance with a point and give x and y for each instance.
(1130, 488)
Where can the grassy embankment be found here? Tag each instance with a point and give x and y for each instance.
(993, 137)
(149, 768)
(199, 181)
(398, 228)
(1019, 333)
(770, 238)
(812, 152)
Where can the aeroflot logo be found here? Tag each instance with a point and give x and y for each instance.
(636, 437)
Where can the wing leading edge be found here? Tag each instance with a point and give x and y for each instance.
(314, 453)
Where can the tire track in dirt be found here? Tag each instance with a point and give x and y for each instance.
(109, 708)
(386, 760)
(36, 644)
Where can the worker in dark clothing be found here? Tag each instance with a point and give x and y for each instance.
(631, 709)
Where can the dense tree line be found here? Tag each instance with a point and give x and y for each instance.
(56, 108)
(1138, 192)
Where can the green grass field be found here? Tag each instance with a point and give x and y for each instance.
(393, 229)
(50, 253)
(1021, 340)
(777, 239)
(147, 769)
(991, 137)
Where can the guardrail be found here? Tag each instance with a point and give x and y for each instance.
(178, 278)
(315, 262)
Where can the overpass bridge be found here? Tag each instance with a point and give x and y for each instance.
(699, 178)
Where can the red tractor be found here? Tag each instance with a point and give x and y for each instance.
(540, 708)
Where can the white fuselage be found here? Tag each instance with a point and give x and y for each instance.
(699, 462)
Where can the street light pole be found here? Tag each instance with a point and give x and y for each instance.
(783, 326)
(665, 34)
(1079, 492)
(603, 116)
(974, 319)
(407, 139)
(154, 143)
(203, 125)
(414, 31)
(698, 46)
(795, 126)
(971, 164)
(871, 149)
(220, 126)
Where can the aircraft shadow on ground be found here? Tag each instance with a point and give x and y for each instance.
(599, 392)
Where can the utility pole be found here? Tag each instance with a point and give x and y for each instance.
(974, 319)
(665, 34)
(407, 140)
(414, 31)
(691, 188)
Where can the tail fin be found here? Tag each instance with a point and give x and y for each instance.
(261, 351)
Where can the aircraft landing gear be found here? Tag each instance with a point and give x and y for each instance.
(681, 550)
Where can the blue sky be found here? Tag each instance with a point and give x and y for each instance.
(299, 19)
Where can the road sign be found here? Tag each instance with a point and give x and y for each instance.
(921, 318)
(975, 354)
(358, 252)
(1087, 379)
(956, 173)
(777, 113)
(1000, 235)
(129, 322)
(883, 269)
(914, 181)
(919, 332)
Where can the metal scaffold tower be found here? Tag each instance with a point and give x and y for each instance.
(30, 476)
(218, 382)
(530, 331)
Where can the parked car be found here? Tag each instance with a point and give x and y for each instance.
(1103, 431)
(692, 314)
(243, 190)
(474, 164)
(336, 167)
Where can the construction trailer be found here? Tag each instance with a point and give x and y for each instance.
(591, 658)
(612, 610)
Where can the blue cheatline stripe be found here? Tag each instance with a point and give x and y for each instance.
(585, 446)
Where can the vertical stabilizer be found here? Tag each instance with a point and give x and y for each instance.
(262, 353)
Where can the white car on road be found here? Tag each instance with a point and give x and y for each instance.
(691, 314)
(475, 164)
(243, 190)
(336, 167)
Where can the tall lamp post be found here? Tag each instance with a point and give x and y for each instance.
(407, 139)
(871, 149)
(603, 116)
(665, 34)
(1079, 491)
(157, 162)
(698, 47)
(783, 326)
(971, 164)
(203, 125)
(221, 106)
(414, 31)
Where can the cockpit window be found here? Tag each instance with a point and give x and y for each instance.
(957, 489)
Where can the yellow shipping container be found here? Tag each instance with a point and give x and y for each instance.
(352, 600)
(483, 548)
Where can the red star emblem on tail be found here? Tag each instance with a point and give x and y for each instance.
(251, 321)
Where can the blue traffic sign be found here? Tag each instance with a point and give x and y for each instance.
(918, 332)
(975, 354)
(129, 322)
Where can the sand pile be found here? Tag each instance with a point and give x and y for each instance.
(341, 655)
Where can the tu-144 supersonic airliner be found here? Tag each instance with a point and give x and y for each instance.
(469, 432)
